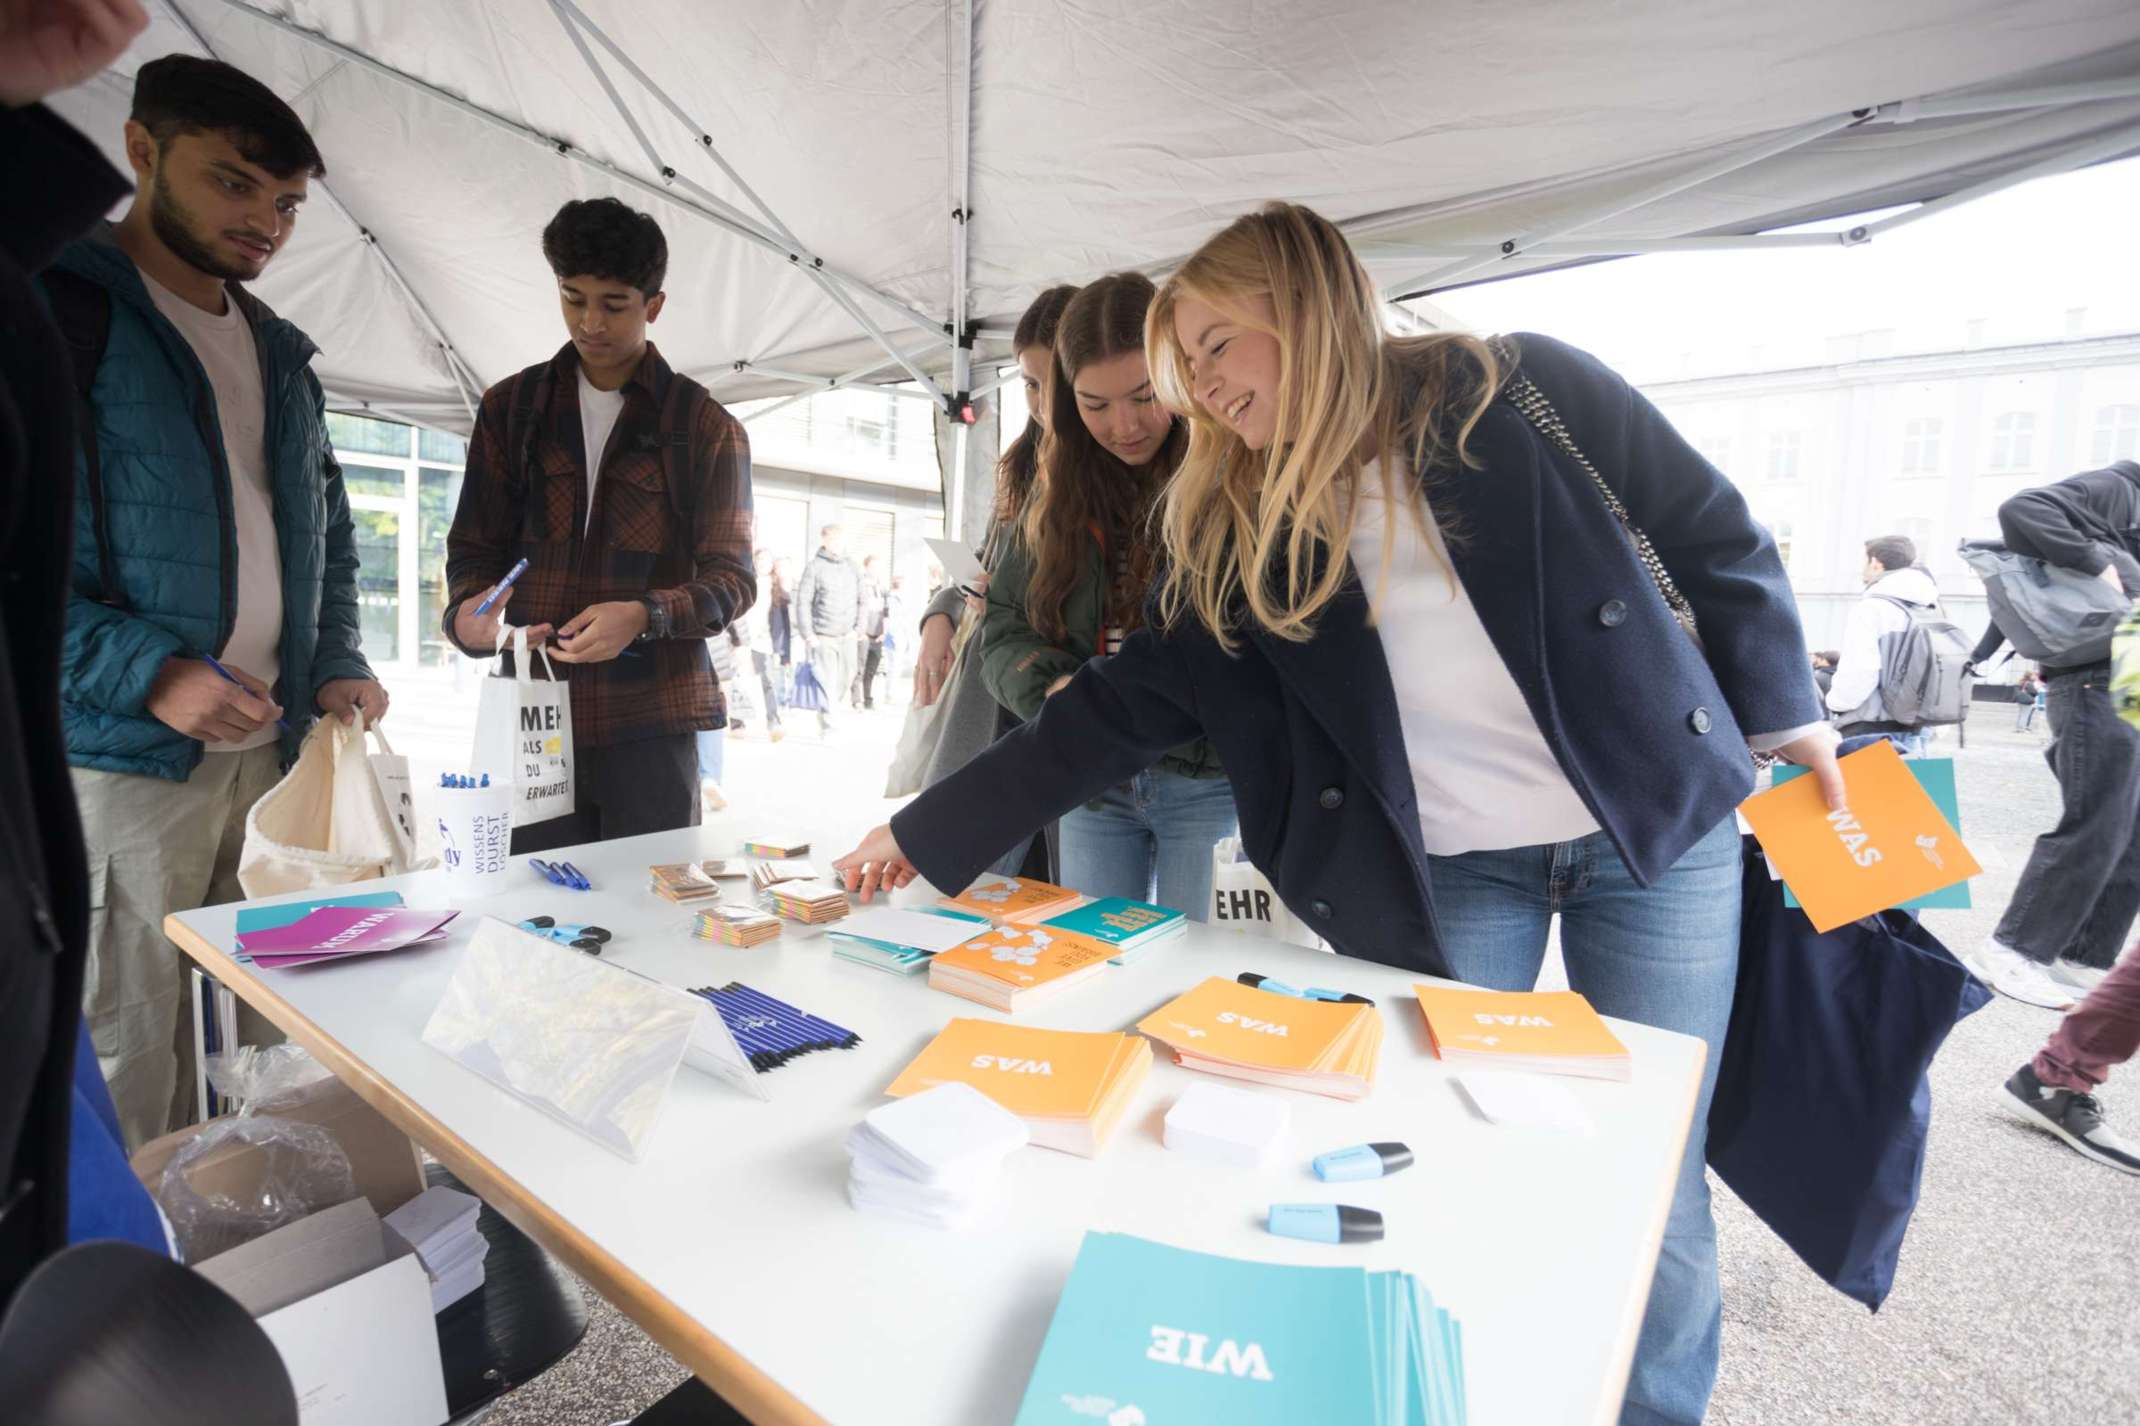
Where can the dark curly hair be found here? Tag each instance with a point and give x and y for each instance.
(604, 238)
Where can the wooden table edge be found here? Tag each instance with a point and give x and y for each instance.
(712, 1360)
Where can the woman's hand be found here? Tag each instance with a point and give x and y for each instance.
(933, 665)
(876, 865)
(1815, 751)
(977, 595)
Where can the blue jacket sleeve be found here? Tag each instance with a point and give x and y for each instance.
(339, 653)
(1721, 559)
(1115, 718)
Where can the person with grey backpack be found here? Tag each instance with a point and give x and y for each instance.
(1904, 666)
(2058, 587)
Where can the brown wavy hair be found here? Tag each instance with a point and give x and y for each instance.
(1083, 487)
(1020, 464)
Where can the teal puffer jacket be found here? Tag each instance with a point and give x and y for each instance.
(173, 537)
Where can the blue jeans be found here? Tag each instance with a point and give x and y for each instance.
(1667, 956)
(1150, 839)
(712, 753)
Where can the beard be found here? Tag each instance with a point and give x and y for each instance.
(181, 234)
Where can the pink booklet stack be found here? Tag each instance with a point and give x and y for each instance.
(335, 933)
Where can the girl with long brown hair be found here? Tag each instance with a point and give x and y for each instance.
(1404, 588)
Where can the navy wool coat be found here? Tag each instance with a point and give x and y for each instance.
(1649, 728)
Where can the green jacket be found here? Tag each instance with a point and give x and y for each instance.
(1018, 662)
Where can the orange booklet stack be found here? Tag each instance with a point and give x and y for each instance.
(1545, 1031)
(1013, 899)
(1224, 1027)
(1072, 1087)
(1007, 967)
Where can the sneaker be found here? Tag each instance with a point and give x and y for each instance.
(776, 733)
(2074, 976)
(710, 796)
(2076, 1118)
(2015, 976)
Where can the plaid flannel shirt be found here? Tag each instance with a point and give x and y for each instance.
(635, 546)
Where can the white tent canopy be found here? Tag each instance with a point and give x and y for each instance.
(842, 185)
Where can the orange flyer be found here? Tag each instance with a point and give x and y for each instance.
(1223, 1019)
(1890, 846)
(1023, 956)
(1053, 1073)
(1012, 898)
(1526, 1024)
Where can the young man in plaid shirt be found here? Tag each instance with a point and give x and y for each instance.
(626, 487)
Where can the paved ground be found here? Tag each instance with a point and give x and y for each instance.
(2017, 1299)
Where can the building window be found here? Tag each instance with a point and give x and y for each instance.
(2117, 434)
(2013, 441)
(1716, 450)
(403, 486)
(1783, 455)
(1920, 446)
(1780, 532)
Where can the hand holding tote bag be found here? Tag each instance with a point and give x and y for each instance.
(324, 824)
(524, 735)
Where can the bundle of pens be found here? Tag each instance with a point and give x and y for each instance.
(563, 874)
(772, 1032)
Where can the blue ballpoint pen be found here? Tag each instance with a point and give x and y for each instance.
(502, 585)
(548, 872)
(579, 878)
(233, 680)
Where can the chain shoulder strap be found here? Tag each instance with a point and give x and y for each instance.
(1524, 395)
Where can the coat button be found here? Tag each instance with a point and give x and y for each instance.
(1332, 798)
(1612, 613)
(1322, 909)
(1698, 720)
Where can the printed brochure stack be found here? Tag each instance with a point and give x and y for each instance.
(1226, 1028)
(1071, 1087)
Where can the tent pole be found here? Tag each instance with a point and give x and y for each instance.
(465, 382)
(579, 42)
(1607, 247)
(961, 87)
(2096, 149)
(860, 373)
(564, 149)
(1731, 163)
(1908, 111)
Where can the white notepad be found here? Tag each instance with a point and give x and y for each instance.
(946, 1133)
(1221, 1124)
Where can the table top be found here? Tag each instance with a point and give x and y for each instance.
(733, 1245)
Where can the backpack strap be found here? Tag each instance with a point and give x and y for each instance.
(529, 389)
(82, 311)
(678, 434)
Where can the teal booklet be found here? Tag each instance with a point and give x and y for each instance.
(1145, 1333)
(1129, 926)
(1936, 777)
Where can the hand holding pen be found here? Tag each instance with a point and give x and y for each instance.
(476, 621)
(204, 699)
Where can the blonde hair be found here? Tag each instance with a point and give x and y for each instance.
(1266, 531)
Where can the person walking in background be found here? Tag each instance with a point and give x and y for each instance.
(2073, 909)
(713, 742)
(828, 611)
(1824, 661)
(626, 487)
(780, 620)
(869, 634)
(2028, 700)
(1423, 763)
(2056, 1090)
(213, 614)
(1071, 585)
(756, 626)
(1894, 585)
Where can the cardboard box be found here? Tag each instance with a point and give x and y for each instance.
(388, 1170)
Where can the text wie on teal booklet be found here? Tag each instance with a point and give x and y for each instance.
(1936, 777)
(1145, 1334)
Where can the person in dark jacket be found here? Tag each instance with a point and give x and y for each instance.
(2074, 905)
(827, 614)
(213, 614)
(1072, 583)
(58, 184)
(1404, 617)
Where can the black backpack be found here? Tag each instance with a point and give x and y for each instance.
(81, 309)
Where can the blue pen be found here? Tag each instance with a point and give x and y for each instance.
(232, 679)
(501, 586)
(549, 873)
(579, 878)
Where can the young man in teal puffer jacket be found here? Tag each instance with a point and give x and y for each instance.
(212, 534)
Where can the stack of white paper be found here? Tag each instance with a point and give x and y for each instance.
(1238, 1127)
(440, 1224)
(932, 1157)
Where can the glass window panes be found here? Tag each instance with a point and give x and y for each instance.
(1716, 450)
(438, 494)
(440, 447)
(2117, 434)
(869, 536)
(1920, 446)
(364, 435)
(379, 583)
(1783, 455)
(2013, 441)
(363, 479)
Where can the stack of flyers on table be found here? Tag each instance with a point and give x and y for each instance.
(1224, 1027)
(772, 873)
(440, 1224)
(775, 847)
(1013, 899)
(772, 1032)
(900, 941)
(811, 902)
(1146, 1332)
(686, 882)
(1071, 1087)
(1542, 1031)
(1010, 967)
(933, 1157)
(336, 933)
(1131, 927)
(735, 925)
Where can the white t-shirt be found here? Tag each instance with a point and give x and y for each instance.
(1485, 777)
(599, 410)
(224, 344)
